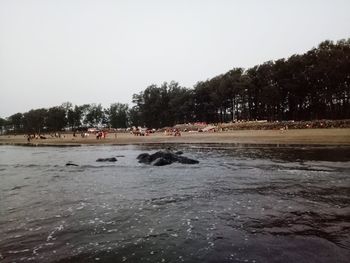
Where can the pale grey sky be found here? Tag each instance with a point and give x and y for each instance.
(86, 51)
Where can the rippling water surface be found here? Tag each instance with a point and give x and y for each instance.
(239, 204)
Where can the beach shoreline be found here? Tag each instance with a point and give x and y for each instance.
(333, 136)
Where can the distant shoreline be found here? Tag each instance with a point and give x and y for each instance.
(333, 136)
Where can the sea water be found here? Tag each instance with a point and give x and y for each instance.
(241, 203)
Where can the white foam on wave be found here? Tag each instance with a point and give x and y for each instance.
(50, 236)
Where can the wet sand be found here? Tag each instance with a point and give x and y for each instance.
(302, 136)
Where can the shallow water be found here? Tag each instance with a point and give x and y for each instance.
(241, 203)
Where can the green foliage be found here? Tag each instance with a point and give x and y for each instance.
(56, 119)
(162, 106)
(117, 115)
(75, 116)
(3, 123)
(134, 117)
(94, 114)
(34, 120)
(314, 85)
(16, 121)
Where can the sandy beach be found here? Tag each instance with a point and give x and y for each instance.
(302, 136)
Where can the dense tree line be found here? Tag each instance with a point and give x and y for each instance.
(66, 116)
(314, 85)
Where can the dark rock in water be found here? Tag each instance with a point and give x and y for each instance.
(113, 159)
(163, 154)
(120, 156)
(144, 158)
(161, 158)
(185, 160)
(161, 161)
(71, 164)
(179, 152)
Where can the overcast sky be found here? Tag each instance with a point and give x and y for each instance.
(104, 51)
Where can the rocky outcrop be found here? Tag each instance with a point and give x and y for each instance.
(162, 158)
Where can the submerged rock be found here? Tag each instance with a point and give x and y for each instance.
(71, 164)
(112, 159)
(161, 158)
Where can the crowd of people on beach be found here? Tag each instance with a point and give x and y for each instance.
(176, 131)
(101, 134)
(40, 136)
(172, 132)
(35, 136)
